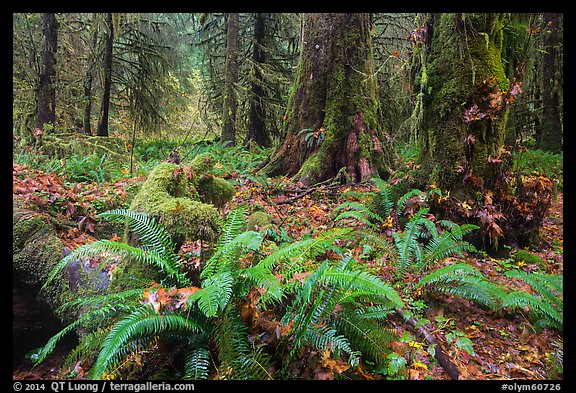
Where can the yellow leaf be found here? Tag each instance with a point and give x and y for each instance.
(419, 364)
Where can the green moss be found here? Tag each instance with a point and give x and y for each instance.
(215, 190)
(202, 164)
(529, 258)
(460, 63)
(258, 220)
(166, 195)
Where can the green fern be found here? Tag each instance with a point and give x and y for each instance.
(545, 305)
(197, 363)
(464, 281)
(144, 322)
(328, 312)
(97, 308)
(237, 359)
(358, 211)
(421, 245)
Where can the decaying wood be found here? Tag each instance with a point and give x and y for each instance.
(439, 354)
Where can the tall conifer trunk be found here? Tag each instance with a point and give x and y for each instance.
(105, 106)
(230, 99)
(46, 94)
(256, 130)
(551, 135)
(332, 119)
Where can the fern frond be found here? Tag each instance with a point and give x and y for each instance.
(215, 293)
(140, 323)
(547, 286)
(384, 195)
(538, 308)
(445, 245)
(150, 233)
(465, 281)
(367, 335)
(197, 363)
(363, 281)
(400, 204)
(325, 338)
(101, 312)
(360, 216)
(299, 251)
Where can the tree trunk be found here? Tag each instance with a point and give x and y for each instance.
(46, 109)
(88, 80)
(551, 136)
(464, 69)
(230, 99)
(105, 106)
(332, 115)
(256, 130)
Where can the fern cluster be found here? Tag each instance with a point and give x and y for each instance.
(460, 279)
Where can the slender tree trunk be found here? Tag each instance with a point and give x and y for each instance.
(88, 79)
(464, 68)
(333, 114)
(46, 96)
(105, 105)
(230, 99)
(551, 136)
(256, 127)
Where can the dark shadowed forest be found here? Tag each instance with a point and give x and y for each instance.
(288, 196)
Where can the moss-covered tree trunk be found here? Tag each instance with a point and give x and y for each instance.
(464, 122)
(332, 115)
(551, 136)
(230, 99)
(46, 93)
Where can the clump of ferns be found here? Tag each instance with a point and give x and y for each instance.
(543, 307)
(135, 325)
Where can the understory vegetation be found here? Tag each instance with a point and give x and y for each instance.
(269, 292)
(288, 196)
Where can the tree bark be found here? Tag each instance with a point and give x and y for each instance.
(551, 135)
(256, 130)
(332, 119)
(464, 68)
(230, 99)
(105, 105)
(46, 95)
(88, 80)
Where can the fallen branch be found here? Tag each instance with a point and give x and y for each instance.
(439, 354)
(290, 200)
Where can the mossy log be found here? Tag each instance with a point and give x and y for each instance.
(36, 249)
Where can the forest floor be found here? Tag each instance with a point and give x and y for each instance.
(505, 346)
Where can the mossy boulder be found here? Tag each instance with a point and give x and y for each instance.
(36, 250)
(166, 195)
(202, 164)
